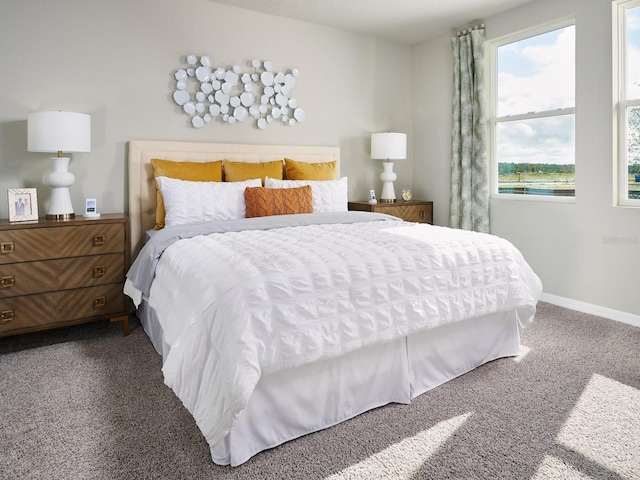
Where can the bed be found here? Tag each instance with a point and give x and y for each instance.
(311, 318)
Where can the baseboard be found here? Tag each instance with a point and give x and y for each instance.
(591, 309)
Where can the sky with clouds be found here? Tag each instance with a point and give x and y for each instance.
(534, 75)
(633, 54)
(538, 74)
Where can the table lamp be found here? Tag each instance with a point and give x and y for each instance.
(59, 132)
(388, 147)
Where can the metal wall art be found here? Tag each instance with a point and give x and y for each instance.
(205, 92)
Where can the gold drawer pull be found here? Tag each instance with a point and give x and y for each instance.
(7, 316)
(7, 247)
(100, 302)
(99, 240)
(8, 281)
(99, 271)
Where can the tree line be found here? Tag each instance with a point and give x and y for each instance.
(542, 168)
(511, 168)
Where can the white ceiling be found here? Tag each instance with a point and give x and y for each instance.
(404, 21)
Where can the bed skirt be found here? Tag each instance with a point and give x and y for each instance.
(286, 405)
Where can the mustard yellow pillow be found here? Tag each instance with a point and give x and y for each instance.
(296, 170)
(191, 171)
(263, 202)
(241, 171)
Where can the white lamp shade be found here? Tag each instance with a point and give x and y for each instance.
(58, 132)
(391, 146)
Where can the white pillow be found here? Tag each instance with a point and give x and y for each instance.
(190, 202)
(328, 195)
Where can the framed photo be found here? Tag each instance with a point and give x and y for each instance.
(23, 204)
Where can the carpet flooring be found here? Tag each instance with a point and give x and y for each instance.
(86, 403)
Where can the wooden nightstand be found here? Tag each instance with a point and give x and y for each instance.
(412, 211)
(59, 273)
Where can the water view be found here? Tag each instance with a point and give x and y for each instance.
(549, 179)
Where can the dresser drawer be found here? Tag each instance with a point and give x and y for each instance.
(409, 213)
(32, 244)
(45, 310)
(61, 274)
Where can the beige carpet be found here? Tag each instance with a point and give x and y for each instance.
(84, 402)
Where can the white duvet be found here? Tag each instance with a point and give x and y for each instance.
(236, 305)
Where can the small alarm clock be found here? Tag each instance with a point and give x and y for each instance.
(406, 194)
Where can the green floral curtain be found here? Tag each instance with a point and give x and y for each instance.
(469, 169)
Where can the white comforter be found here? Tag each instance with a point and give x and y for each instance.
(236, 305)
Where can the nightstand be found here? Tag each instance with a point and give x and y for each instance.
(59, 273)
(412, 211)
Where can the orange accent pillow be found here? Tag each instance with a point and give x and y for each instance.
(191, 171)
(296, 170)
(241, 171)
(263, 202)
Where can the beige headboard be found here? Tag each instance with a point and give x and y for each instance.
(142, 194)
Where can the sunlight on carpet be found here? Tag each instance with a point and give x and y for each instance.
(603, 429)
(524, 351)
(404, 459)
(553, 467)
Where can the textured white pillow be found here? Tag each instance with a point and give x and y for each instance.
(328, 195)
(190, 202)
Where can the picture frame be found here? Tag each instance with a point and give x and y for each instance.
(372, 197)
(23, 204)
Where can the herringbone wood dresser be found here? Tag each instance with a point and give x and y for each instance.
(59, 273)
(412, 211)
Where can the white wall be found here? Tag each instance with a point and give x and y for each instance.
(433, 96)
(586, 251)
(115, 60)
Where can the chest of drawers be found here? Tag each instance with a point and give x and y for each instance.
(412, 211)
(58, 273)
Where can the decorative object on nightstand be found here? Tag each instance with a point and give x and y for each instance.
(59, 132)
(388, 146)
(91, 208)
(58, 273)
(23, 204)
(406, 195)
(410, 211)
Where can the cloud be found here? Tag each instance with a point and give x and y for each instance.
(538, 140)
(538, 76)
(633, 75)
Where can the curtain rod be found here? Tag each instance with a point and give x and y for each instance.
(468, 29)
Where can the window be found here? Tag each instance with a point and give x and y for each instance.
(628, 29)
(532, 119)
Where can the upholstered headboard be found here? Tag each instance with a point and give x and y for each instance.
(142, 194)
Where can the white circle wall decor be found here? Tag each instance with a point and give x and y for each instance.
(181, 97)
(205, 92)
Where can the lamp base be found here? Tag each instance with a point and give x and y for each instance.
(60, 216)
(388, 176)
(60, 179)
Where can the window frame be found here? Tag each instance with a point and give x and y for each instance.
(491, 66)
(621, 103)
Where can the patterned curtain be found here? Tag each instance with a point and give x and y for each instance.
(469, 169)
